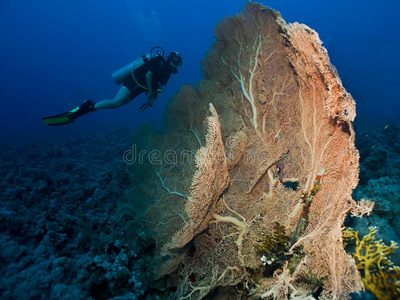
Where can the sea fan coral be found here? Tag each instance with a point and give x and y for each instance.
(283, 152)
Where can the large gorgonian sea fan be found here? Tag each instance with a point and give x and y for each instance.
(282, 150)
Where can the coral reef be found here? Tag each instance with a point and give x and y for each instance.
(242, 194)
(285, 131)
(62, 234)
(274, 246)
(379, 275)
(380, 183)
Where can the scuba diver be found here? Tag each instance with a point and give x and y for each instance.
(147, 74)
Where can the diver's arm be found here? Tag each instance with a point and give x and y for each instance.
(151, 94)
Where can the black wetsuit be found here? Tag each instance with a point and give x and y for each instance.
(161, 74)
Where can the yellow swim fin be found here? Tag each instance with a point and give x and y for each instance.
(70, 116)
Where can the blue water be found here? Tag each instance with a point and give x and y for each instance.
(55, 54)
(67, 198)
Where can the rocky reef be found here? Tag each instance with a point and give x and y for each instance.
(61, 231)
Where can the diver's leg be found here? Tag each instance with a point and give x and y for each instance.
(124, 96)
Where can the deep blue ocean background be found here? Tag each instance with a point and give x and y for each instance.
(69, 219)
(56, 54)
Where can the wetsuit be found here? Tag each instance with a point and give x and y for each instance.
(161, 74)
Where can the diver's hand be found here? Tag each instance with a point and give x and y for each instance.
(151, 97)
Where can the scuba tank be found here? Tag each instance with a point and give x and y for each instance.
(122, 74)
(125, 72)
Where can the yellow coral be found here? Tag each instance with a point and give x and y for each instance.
(379, 276)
